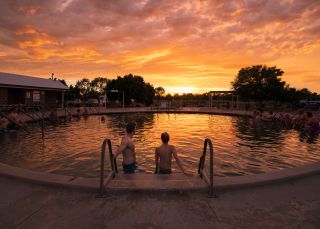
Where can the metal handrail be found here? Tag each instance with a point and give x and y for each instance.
(201, 171)
(114, 168)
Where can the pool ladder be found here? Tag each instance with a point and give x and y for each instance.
(114, 168)
(202, 172)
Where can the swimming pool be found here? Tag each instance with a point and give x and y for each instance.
(241, 145)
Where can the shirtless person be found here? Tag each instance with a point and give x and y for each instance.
(164, 153)
(312, 126)
(126, 148)
(16, 121)
(3, 124)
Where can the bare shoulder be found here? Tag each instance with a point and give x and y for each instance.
(125, 140)
(172, 148)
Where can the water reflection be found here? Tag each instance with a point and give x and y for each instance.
(241, 145)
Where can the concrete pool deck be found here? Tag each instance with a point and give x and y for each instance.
(294, 204)
(280, 199)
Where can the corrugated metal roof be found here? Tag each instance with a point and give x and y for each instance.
(8, 79)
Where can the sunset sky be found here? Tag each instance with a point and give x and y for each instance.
(184, 46)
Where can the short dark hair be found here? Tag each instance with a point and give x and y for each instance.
(309, 114)
(130, 127)
(165, 137)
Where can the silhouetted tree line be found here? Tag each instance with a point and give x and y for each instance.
(135, 89)
(262, 83)
(258, 83)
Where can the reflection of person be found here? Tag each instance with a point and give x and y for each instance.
(126, 148)
(165, 153)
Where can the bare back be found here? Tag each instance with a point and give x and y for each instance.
(165, 152)
(128, 150)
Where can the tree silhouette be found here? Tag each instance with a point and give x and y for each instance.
(159, 91)
(134, 88)
(259, 83)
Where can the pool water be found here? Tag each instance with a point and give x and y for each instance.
(241, 145)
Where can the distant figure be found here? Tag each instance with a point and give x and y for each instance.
(268, 117)
(127, 150)
(69, 116)
(103, 119)
(86, 113)
(286, 120)
(78, 114)
(256, 115)
(15, 120)
(53, 115)
(3, 124)
(312, 126)
(164, 153)
(300, 121)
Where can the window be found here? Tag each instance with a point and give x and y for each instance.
(36, 96)
(28, 95)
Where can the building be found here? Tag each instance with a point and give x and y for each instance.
(27, 90)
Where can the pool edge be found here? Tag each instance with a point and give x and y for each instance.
(220, 183)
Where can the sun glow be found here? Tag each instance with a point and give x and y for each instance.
(180, 90)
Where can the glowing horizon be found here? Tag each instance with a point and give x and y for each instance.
(186, 47)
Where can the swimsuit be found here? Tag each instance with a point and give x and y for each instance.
(130, 168)
(164, 171)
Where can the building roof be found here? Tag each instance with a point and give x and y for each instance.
(20, 81)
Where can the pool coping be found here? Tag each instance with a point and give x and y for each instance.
(103, 111)
(220, 183)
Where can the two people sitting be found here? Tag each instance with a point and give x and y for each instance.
(163, 153)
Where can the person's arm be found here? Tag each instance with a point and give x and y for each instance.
(121, 148)
(157, 161)
(179, 162)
